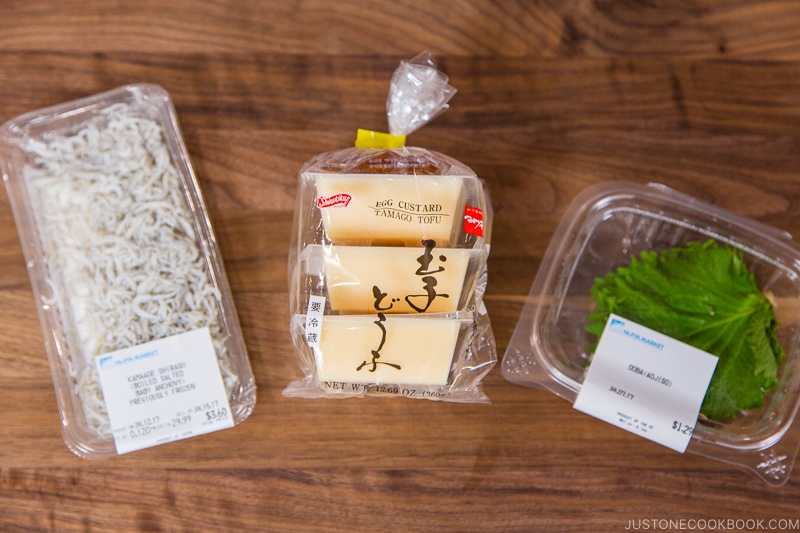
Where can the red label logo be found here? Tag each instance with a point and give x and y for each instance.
(337, 200)
(473, 221)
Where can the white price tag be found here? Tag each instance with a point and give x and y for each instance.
(646, 383)
(164, 390)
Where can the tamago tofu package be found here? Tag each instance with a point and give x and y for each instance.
(388, 261)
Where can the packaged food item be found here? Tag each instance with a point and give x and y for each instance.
(387, 266)
(687, 288)
(138, 320)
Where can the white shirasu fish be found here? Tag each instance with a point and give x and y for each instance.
(125, 264)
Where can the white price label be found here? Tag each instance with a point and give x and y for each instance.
(164, 390)
(646, 383)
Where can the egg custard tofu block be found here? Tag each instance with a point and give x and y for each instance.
(391, 210)
(411, 350)
(353, 272)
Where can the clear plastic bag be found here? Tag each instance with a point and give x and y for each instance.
(387, 265)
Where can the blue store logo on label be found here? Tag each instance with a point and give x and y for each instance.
(616, 325)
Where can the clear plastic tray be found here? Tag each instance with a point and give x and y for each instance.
(603, 229)
(118, 245)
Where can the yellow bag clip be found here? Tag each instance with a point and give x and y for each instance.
(376, 139)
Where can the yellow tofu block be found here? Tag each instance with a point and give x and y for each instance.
(412, 351)
(408, 280)
(390, 210)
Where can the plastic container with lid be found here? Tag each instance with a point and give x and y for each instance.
(603, 229)
(125, 271)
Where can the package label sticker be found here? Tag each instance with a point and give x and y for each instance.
(473, 221)
(646, 383)
(337, 201)
(165, 390)
(316, 308)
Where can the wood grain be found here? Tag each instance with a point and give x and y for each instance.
(547, 28)
(552, 97)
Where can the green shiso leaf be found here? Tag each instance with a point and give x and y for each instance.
(705, 296)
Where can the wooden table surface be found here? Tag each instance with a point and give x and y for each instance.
(553, 97)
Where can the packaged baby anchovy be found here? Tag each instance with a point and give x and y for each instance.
(388, 261)
(139, 324)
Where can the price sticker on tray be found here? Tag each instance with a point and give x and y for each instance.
(646, 383)
(165, 390)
